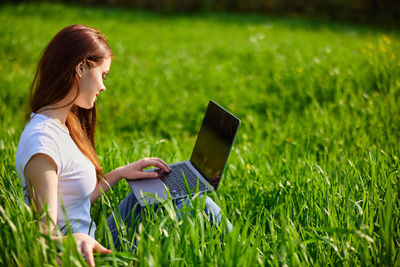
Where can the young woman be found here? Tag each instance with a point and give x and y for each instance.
(56, 156)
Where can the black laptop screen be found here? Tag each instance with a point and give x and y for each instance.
(214, 142)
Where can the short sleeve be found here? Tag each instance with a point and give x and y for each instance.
(40, 143)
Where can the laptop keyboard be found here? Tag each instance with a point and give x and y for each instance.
(176, 184)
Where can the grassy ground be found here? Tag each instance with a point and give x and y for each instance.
(313, 178)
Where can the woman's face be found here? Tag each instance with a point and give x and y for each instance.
(91, 83)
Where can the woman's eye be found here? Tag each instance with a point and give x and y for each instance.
(104, 76)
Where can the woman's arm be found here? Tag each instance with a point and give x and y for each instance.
(131, 172)
(42, 181)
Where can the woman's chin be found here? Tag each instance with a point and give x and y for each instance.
(87, 106)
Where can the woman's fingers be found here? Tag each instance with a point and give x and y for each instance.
(147, 162)
(148, 175)
(87, 250)
(87, 245)
(100, 249)
(135, 170)
(165, 165)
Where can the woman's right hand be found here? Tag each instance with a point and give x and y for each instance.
(87, 245)
(134, 170)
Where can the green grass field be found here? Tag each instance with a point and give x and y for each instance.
(313, 177)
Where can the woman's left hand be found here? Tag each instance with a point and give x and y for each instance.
(131, 172)
(135, 170)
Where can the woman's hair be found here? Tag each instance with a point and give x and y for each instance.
(56, 75)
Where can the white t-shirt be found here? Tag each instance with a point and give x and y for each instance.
(76, 173)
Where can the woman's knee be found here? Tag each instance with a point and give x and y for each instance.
(211, 208)
(215, 213)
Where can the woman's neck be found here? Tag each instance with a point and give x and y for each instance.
(58, 114)
(59, 110)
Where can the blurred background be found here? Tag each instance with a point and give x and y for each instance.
(380, 12)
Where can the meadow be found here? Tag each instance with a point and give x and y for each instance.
(313, 177)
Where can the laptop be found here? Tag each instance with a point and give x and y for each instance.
(205, 167)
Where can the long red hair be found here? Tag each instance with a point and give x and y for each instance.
(56, 75)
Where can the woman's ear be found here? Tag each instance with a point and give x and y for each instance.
(80, 68)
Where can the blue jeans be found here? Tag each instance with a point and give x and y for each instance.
(128, 207)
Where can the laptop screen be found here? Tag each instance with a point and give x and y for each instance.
(214, 143)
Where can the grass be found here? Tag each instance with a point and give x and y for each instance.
(313, 177)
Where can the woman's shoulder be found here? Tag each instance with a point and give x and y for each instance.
(40, 125)
(40, 129)
(40, 135)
